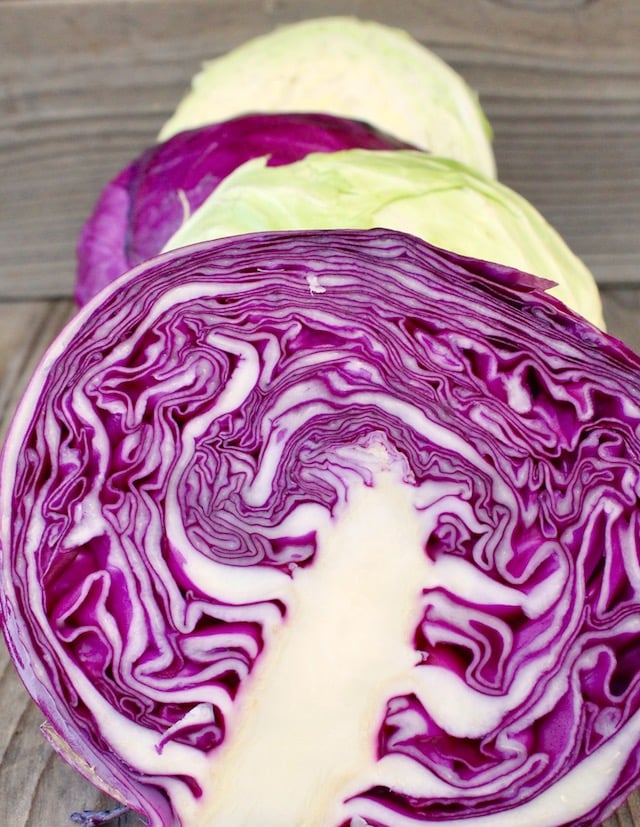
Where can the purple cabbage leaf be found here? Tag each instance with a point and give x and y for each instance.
(147, 202)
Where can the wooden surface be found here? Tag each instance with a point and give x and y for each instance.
(85, 85)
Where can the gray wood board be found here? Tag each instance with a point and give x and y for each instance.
(85, 86)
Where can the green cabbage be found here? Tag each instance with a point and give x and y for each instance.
(348, 67)
(436, 199)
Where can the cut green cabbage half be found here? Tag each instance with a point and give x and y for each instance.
(348, 67)
(436, 199)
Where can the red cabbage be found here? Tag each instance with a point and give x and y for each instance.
(145, 204)
(273, 490)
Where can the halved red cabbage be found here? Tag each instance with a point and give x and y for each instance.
(143, 206)
(331, 529)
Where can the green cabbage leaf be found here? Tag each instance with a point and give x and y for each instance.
(436, 199)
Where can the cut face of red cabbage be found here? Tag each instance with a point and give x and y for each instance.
(331, 529)
(147, 202)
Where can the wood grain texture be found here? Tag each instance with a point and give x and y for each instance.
(84, 87)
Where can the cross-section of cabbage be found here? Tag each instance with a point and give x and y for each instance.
(331, 528)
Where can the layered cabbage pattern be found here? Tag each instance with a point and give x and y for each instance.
(187, 437)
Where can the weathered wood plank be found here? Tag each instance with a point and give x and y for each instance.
(622, 315)
(37, 787)
(84, 86)
(26, 329)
